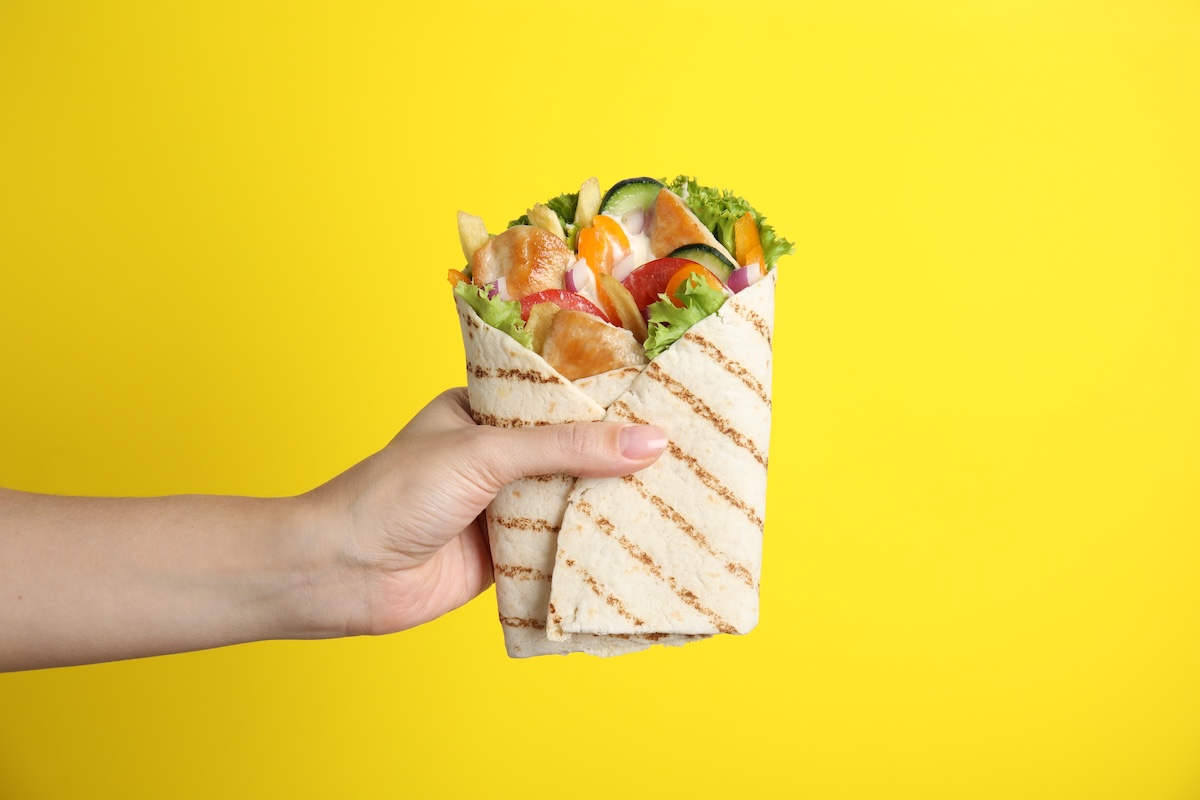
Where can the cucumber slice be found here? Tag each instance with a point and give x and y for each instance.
(707, 256)
(629, 194)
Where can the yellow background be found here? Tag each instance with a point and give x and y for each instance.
(223, 234)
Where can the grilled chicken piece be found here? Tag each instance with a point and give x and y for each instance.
(579, 345)
(675, 226)
(529, 258)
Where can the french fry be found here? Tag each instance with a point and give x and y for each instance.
(539, 322)
(589, 203)
(630, 317)
(547, 220)
(472, 233)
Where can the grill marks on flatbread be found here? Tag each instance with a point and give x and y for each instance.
(680, 543)
(497, 422)
(733, 367)
(608, 597)
(621, 410)
(640, 555)
(527, 375)
(524, 524)
(519, 572)
(557, 477)
(711, 482)
(702, 409)
(504, 392)
(516, 422)
(523, 622)
(668, 555)
(691, 531)
(760, 324)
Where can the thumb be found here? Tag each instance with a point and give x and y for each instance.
(586, 449)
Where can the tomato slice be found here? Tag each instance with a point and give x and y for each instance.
(683, 274)
(650, 279)
(563, 299)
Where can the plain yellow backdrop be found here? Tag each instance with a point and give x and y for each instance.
(224, 229)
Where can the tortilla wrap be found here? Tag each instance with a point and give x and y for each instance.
(668, 555)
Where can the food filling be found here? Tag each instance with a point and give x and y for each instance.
(593, 283)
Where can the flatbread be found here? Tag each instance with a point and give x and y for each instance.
(677, 547)
(668, 555)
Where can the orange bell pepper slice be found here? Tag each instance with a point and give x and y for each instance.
(746, 239)
(616, 235)
(755, 255)
(595, 248)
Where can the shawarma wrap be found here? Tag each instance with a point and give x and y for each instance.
(672, 553)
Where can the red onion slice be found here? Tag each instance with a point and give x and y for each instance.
(738, 279)
(755, 271)
(744, 277)
(627, 265)
(499, 289)
(578, 278)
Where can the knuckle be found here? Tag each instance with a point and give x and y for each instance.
(577, 441)
(484, 450)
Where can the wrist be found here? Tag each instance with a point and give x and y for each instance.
(323, 587)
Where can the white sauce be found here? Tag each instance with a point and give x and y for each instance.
(639, 245)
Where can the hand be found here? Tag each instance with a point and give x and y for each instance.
(395, 541)
(408, 521)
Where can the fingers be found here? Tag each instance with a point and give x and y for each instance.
(450, 410)
(586, 449)
(457, 397)
(452, 402)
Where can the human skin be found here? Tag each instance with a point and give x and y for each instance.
(393, 542)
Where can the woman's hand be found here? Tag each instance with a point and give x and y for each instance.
(395, 541)
(409, 520)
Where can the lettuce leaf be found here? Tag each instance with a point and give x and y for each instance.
(504, 315)
(718, 210)
(564, 205)
(668, 321)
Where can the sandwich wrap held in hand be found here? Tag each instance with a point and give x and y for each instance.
(667, 555)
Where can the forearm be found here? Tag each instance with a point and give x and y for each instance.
(94, 579)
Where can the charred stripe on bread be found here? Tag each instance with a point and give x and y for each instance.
(637, 553)
(657, 373)
(690, 530)
(705, 477)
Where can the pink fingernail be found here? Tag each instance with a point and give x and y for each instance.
(641, 441)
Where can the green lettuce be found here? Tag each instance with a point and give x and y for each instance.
(504, 315)
(668, 321)
(718, 210)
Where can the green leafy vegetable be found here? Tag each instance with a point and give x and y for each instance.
(668, 321)
(564, 205)
(718, 210)
(504, 315)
